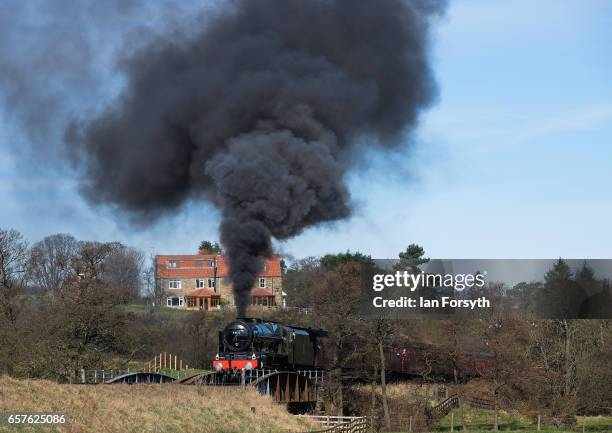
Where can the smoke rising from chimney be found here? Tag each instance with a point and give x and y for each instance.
(259, 113)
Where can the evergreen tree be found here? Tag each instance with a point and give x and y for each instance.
(561, 297)
(411, 259)
(331, 261)
(208, 247)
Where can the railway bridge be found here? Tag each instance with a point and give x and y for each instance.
(299, 387)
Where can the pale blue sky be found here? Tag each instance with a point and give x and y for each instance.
(514, 161)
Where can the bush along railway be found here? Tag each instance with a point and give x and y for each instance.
(288, 363)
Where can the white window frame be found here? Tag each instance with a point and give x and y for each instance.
(262, 280)
(212, 284)
(200, 283)
(169, 299)
(171, 264)
(178, 285)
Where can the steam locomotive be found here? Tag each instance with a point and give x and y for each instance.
(249, 343)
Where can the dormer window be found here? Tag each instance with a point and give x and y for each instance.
(171, 264)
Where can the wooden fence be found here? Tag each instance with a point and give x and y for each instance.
(339, 424)
(164, 361)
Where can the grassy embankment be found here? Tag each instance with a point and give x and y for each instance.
(147, 408)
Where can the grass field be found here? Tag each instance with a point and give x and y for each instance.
(476, 420)
(147, 408)
(483, 420)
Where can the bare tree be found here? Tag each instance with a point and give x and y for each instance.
(120, 267)
(91, 257)
(13, 264)
(337, 304)
(51, 261)
(123, 270)
(381, 331)
(153, 290)
(86, 322)
(13, 267)
(299, 280)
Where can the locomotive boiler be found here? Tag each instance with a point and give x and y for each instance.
(249, 343)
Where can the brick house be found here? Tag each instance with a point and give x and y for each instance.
(201, 281)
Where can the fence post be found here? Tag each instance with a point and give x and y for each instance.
(410, 425)
(539, 422)
(496, 426)
(452, 421)
(463, 426)
(243, 377)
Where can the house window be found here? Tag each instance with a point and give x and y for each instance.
(211, 283)
(266, 301)
(174, 301)
(171, 264)
(199, 263)
(200, 283)
(214, 302)
(174, 284)
(262, 283)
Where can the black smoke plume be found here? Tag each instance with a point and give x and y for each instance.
(259, 113)
(57, 58)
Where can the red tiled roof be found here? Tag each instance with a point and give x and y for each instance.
(188, 271)
(163, 272)
(272, 266)
(201, 293)
(261, 292)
